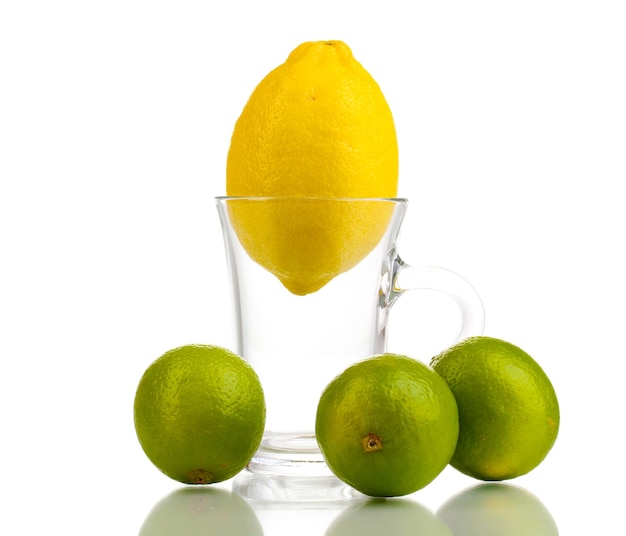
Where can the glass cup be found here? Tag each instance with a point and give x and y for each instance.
(313, 281)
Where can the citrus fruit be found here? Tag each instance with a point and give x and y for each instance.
(508, 409)
(307, 242)
(317, 126)
(387, 425)
(199, 413)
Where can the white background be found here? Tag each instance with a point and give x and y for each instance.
(115, 120)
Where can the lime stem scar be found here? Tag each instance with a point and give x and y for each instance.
(200, 476)
(372, 443)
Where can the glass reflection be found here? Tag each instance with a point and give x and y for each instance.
(388, 517)
(282, 490)
(195, 511)
(295, 504)
(497, 510)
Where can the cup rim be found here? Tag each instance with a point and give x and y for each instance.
(222, 198)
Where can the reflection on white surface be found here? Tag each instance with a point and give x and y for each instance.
(497, 510)
(284, 490)
(201, 511)
(257, 505)
(295, 505)
(388, 517)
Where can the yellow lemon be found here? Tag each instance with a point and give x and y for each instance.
(387, 425)
(199, 413)
(317, 126)
(307, 242)
(508, 410)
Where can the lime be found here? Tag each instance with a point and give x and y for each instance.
(508, 409)
(387, 425)
(199, 413)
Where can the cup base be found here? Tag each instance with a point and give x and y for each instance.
(288, 454)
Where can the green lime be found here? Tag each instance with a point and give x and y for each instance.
(508, 409)
(199, 413)
(387, 425)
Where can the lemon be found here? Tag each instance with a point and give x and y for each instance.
(508, 410)
(387, 425)
(307, 242)
(317, 126)
(199, 413)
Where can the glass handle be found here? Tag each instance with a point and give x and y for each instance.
(407, 277)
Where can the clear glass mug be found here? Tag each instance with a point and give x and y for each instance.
(299, 338)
